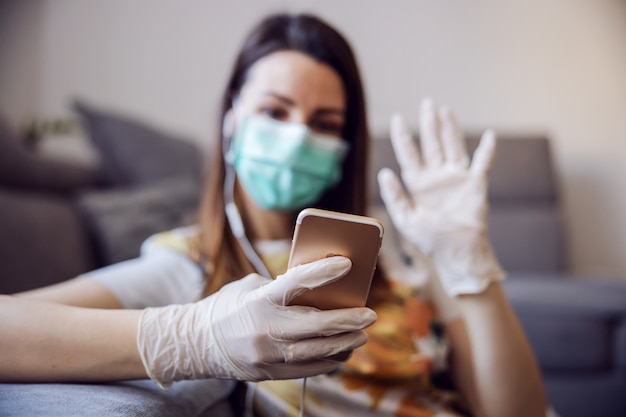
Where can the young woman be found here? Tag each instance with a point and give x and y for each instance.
(295, 99)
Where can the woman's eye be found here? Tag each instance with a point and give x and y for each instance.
(273, 112)
(328, 127)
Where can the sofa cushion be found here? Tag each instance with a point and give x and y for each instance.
(22, 168)
(524, 219)
(522, 169)
(527, 236)
(571, 323)
(132, 152)
(120, 219)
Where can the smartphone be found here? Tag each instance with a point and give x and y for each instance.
(320, 234)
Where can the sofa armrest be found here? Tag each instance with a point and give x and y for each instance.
(123, 399)
(573, 324)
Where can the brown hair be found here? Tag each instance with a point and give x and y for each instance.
(225, 261)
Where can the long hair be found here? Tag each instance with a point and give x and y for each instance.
(224, 259)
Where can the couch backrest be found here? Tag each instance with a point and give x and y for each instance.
(525, 221)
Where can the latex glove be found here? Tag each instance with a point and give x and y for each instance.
(248, 331)
(444, 208)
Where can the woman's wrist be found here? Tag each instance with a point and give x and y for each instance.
(467, 265)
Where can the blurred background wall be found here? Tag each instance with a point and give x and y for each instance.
(553, 66)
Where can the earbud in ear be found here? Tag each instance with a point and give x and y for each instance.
(228, 129)
(228, 124)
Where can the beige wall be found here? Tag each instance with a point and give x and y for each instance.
(557, 66)
(21, 32)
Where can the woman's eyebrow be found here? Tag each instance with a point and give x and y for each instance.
(330, 111)
(289, 102)
(286, 100)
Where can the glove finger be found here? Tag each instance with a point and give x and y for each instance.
(395, 198)
(404, 147)
(305, 277)
(323, 347)
(452, 140)
(307, 322)
(429, 134)
(483, 156)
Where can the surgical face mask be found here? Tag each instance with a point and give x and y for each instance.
(284, 166)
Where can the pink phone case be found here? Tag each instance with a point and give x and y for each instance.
(323, 233)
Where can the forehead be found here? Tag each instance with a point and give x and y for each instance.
(295, 75)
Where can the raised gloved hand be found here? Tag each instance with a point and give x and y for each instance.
(248, 330)
(444, 208)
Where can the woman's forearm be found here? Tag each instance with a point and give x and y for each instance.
(506, 378)
(507, 381)
(49, 342)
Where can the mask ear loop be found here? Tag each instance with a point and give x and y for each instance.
(232, 212)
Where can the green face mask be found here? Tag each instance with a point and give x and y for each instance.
(285, 166)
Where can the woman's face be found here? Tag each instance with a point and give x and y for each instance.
(292, 87)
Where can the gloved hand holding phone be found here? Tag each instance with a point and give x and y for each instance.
(248, 330)
(442, 208)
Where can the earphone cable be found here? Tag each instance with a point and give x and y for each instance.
(302, 397)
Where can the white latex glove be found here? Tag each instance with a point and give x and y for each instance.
(247, 330)
(444, 208)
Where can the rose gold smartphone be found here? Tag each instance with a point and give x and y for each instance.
(321, 234)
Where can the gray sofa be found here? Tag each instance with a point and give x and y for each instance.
(576, 325)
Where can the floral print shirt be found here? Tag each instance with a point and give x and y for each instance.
(391, 375)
